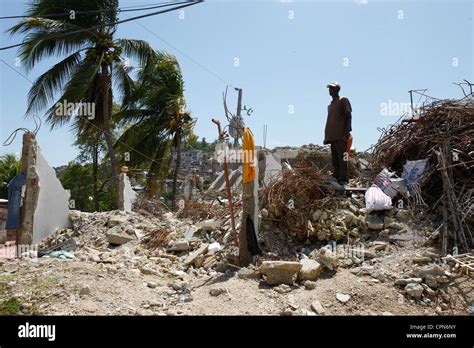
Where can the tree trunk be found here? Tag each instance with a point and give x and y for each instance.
(95, 165)
(176, 170)
(106, 90)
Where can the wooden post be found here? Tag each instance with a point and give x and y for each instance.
(248, 209)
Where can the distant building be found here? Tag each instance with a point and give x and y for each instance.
(197, 162)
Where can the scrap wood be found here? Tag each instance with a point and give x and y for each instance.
(439, 121)
(443, 127)
(463, 261)
(192, 256)
(461, 230)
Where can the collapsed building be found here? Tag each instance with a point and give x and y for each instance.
(408, 204)
(36, 192)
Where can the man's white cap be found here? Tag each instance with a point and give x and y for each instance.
(334, 84)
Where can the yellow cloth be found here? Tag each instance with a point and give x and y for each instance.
(248, 149)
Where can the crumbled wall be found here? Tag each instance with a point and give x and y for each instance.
(28, 167)
(52, 209)
(127, 195)
(272, 168)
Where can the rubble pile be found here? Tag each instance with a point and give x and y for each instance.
(427, 284)
(197, 210)
(448, 121)
(148, 206)
(174, 244)
(98, 228)
(319, 157)
(344, 220)
(443, 135)
(292, 199)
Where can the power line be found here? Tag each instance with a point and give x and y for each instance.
(154, 34)
(126, 145)
(184, 54)
(19, 73)
(94, 125)
(185, 4)
(122, 9)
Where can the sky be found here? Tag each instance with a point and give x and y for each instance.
(282, 54)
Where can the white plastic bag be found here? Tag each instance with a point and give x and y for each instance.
(376, 199)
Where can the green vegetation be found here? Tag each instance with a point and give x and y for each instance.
(201, 145)
(158, 121)
(92, 69)
(12, 305)
(150, 121)
(9, 168)
(78, 178)
(143, 128)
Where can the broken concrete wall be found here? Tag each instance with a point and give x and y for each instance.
(46, 204)
(28, 167)
(127, 195)
(52, 209)
(272, 168)
(235, 178)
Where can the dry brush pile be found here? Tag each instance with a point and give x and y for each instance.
(444, 134)
(202, 210)
(292, 199)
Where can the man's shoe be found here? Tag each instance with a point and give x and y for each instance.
(335, 185)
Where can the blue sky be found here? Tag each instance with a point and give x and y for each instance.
(287, 52)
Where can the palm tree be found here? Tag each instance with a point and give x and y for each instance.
(94, 59)
(159, 120)
(91, 144)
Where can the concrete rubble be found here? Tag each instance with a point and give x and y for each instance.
(310, 270)
(393, 249)
(280, 272)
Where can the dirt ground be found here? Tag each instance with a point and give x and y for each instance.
(74, 287)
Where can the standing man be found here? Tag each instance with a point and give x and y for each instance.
(337, 132)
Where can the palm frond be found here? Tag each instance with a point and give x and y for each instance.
(45, 37)
(137, 49)
(80, 83)
(44, 88)
(123, 82)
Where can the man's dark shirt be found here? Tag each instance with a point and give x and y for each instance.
(338, 123)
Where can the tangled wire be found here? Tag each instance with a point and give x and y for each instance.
(200, 210)
(294, 197)
(442, 123)
(159, 237)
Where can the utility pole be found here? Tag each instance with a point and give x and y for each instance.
(238, 115)
(265, 129)
(247, 224)
(239, 101)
